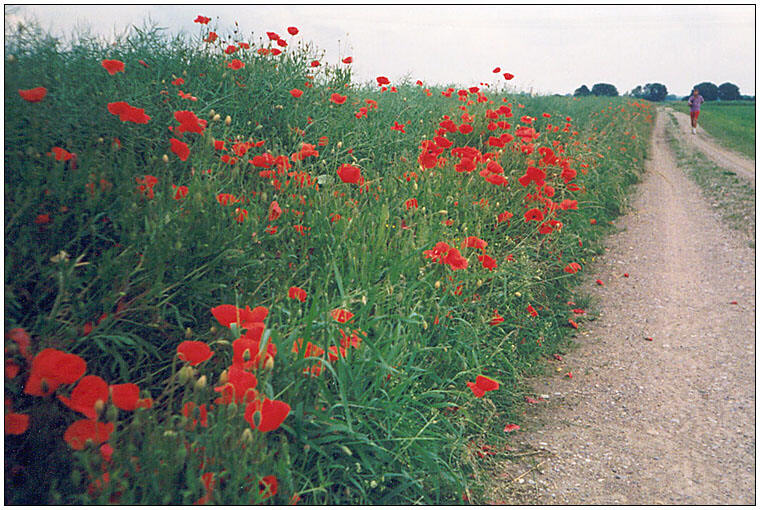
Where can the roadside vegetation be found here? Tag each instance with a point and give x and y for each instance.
(732, 123)
(235, 276)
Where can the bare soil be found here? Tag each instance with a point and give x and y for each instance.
(666, 421)
(723, 157)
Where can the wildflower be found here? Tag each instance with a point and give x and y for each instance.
(398, 127)
(455, 260)
(350, 174)
(128, 113)
(52, 368)
(382, 80)
(573, 323)
(240, 386)
(508, 76)
(599, 282)
(510, 427)
(61, 154)
(194, 352)
(187, 411)
(272, 414)
(211, 37)
(297, 293)
(80, 431)
(268, 486)
(125, 396)
(236, 64)
(534, 215)
(180, 149)
(348, 60)
(16, 423)
(22, 340)
(113, 66)
(145, 184)
(86, 394)
(487, 262)
(181, 192)
(532, 311)
(497, 319)
(203, 20)
(292, 30)
(341, 315)
(243, 317)
(230, 49)
(481, 385)
(296, 93)
(337, 98)
(572, 267)
(274, 210)
(34, 95)
(240, 214)
(474, 242)
(411, 203)
(315, 63)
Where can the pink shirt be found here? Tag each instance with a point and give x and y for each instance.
(695, 102)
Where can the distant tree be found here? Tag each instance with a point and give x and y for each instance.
(707, 90)
(655, 91)
(728, 92)
(604, 89)
(748, 98)
(582, 91)
(637, 92)
(671, 97)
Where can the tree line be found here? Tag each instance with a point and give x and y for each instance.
(659, 92)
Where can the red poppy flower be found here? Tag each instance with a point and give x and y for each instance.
(534, 215)
(106, 451)
(125, 396)
(599, 282)
(272, 36)
(532, 311)
(61, 154)
(508, 76)
(474, 242)
(292, 30)
(274, 210)
(128, 113)
(337, 98)
(296, 93)
(203, 20)
(228, 314)
(240, 387)
(187, 412)
(411, 203)
(348, 60)
(341, 315)
(572, 267)
(511, 427)
(52, 368)
(211, 37)
(455, 260)
(268, 486)
(231, 49)
(181, 191)
(86, 395)
(34, 95)
(142, 63)
(189, 122)
(350, 174)
(398, 127)
(80, 431)
(497, 319)
(482, 384)
(236, 64)
(382, 80)
(240, 214)
(16, 423)
(11, 369)
(315, 63)
(297, 293)
(194, 352)
(505, 216)
(568, 204)
(180, 149)
(272, 414)
(22, 339)
(488, 262)
(42, 219)
(113, 66)
(573, 323)
(496, 70)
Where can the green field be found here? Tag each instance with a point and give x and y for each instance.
(732, 123)
(400, 248)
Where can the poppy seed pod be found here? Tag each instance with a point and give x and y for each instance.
(184, 374)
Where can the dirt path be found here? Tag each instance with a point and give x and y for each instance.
(723, 157)
(667, 421)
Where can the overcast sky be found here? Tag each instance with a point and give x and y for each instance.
(551, 49)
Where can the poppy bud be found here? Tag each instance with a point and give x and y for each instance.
(518, 294)
(11, 58)
(223, 377)
(269, 363)
(216, 117)
(112, 414)
(247, 437)
(99, 407)
(339, 144)
(438, 284)
(212, 113)
(480, 283)
(346, 449)
(170, 433)
(212, 329)
(184, 73)
(100, 139)
(188, 333)
(247, 355)
(184, 374)
(227, 120)
(200, 383)
(165, 158)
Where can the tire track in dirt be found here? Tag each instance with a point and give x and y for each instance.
(721, 156)
(667, 421)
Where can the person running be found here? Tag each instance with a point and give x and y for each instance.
(695, 101)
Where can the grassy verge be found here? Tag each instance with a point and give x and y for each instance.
(732, 195)
(393, 244)
(732, 123)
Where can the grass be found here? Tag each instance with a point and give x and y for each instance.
(107, 258)
(727, 192)
(732, 123)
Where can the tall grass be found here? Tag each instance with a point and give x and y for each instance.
(121, 279)
(732, 123)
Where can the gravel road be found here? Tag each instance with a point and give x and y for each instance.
(722, 157)
(666, 421)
